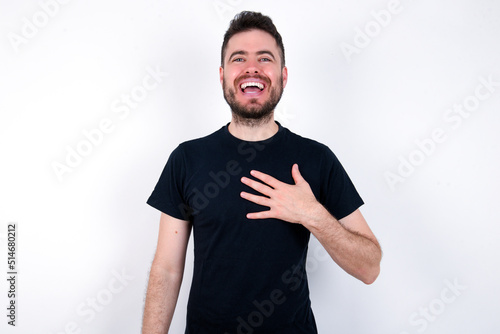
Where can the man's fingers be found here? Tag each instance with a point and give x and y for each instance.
(261, 200)
(267, 179)
(258, 186)
(260, 215)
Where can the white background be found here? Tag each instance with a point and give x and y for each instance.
(76, 233)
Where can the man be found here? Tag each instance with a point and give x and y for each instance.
(251, 208)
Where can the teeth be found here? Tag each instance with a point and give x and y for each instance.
(255, 84)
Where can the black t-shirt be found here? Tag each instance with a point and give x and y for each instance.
(249, 275)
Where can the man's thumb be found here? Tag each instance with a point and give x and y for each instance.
(297, 177)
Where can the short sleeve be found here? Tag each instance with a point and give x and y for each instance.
(339, 195)
(167, 195)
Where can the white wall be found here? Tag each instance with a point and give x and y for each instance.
(369, 98)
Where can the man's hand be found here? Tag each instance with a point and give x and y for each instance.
(350, 242)
(289, 202)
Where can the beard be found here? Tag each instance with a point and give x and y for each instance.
(254, 113)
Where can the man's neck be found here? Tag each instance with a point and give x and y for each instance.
(259, 132)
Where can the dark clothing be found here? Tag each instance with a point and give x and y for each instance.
(249, 275)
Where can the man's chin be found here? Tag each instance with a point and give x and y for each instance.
(251, 116)
(249, 103)
(251, 111)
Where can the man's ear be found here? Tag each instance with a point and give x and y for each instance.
(284, 73)
(221, 75)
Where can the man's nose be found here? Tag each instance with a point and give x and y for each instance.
(252, 67)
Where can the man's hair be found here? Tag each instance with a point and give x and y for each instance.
(246, 21)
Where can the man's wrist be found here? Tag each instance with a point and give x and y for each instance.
(317, 217)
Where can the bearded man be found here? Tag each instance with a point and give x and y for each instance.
(250, 207)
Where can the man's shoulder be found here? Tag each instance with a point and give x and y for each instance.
(203, 142)
(306, 142)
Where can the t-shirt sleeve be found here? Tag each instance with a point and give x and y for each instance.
(168, 195)
(339, 195)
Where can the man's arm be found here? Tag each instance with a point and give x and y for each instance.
(350, 242)
(166, 274)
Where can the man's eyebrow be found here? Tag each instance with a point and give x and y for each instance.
(266, 52)
(244, 53)
(239, 52)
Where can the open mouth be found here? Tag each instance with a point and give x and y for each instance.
(252, 87)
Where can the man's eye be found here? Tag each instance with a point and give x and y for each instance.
(265, 59)
(238, 59)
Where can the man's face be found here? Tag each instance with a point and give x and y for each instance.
(252, 78)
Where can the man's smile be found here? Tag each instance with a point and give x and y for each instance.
(252, 87)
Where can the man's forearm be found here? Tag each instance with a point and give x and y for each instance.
(357, 254)
(161, 298)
